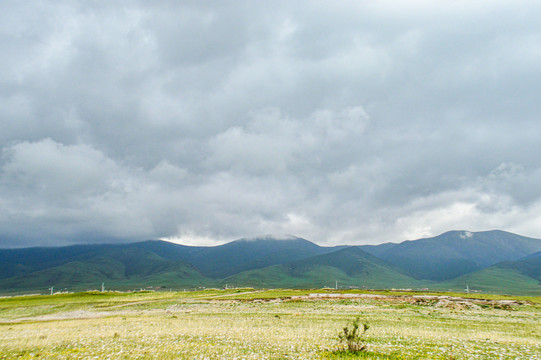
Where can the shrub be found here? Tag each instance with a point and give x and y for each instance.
(353, 338)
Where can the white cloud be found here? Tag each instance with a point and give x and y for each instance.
(273, 143)
(54, 169)
(364, 122)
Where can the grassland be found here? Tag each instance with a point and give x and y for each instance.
(272, 324)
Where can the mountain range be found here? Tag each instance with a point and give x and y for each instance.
(490, 261)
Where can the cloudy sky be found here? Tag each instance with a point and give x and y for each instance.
(353, 122)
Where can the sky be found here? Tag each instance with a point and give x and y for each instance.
(201, 122)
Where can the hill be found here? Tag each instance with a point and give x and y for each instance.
(493, 261)
(239, 255)
(15, 262)
(351, 267)
(529, 266)
(119, 266)
(455, 253)
(494, 279)
(508, 277)
(248, 254)
(152, 262)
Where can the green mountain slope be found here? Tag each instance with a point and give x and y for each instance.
(349, 267)
(237, 256)
(155, 262)
(14, 262)
(119, 266)
(455, 253)
(521, 277)
(455, 259)
(494, 279)
(529, 265)
(248, 254)
(170, 251)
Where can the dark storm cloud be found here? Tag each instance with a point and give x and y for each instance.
(356, 123)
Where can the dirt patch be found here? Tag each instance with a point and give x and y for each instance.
(73, 315)
(130, 304)
(441, 301)
(456, 305)
(77, 314)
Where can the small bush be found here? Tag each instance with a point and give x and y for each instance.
(353, 338)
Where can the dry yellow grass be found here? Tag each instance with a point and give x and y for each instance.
(184, 327)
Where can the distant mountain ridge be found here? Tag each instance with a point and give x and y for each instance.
(520, 276)
(455, 253)
(441, 262)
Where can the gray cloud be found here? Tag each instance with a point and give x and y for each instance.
(204, 122)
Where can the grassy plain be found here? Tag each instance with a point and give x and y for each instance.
(270, 324)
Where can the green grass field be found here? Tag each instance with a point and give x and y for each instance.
(270, 324)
